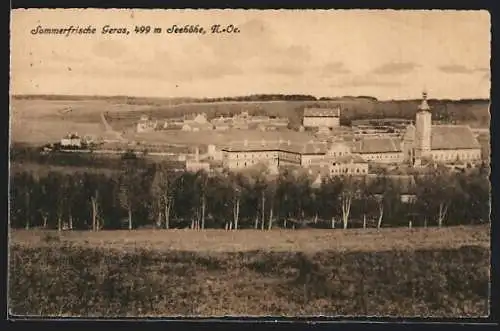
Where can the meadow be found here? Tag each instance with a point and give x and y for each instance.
(40, 120)
(155, 273)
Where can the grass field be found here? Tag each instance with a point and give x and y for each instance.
(39, 120)
(146, 273)
(310, 240)
(218, 138)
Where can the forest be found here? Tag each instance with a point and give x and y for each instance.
(142, 195)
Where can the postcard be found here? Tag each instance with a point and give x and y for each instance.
(256, 163)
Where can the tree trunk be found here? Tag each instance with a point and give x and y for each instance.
(45, 217)
(59, 222)
(364, 221)
(168, 206)
(333, 222)
(236, 213)
(70, 221)
(158, 219)
(346, 208)
(256, 224)
(443, 208)
(27, 225)
(263, 210)
(380, 215)
(203, 202)
(270, 219)
(409, 224)
(129, 218)
(284, 223)
(93, 200)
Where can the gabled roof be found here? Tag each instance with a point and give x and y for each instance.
(350, 158)
(453, 137)
(322, 112)
(377, 145)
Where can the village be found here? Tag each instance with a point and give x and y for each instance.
(325, 149)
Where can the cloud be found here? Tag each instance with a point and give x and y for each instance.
(364, 81)
(482, 69)
(260, 51)
(334, 68)
(395, 68)
(455, 69)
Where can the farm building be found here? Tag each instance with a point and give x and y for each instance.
(71, 140)
(321, 117)
(145, 124)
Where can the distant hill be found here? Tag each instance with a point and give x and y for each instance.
(474, 112)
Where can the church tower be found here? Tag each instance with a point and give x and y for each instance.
(423, 125)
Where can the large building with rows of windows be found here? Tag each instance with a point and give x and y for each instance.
(441, 143)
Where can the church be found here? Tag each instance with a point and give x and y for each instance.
(440, 143)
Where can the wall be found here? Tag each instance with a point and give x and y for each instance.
(338, 149)
(308, 158)
(449, 156)
(321, 121)
(341, 169)
(396, 157)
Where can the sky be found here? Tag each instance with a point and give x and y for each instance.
(388, 54)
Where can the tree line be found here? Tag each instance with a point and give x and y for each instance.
(157, 197)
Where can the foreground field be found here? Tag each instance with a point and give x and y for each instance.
(398, 272)
(277, 240)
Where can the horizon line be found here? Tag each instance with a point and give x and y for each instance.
(318, 98)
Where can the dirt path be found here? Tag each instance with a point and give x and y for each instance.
(109, 129)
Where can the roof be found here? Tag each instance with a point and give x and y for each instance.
(286, 146)
(424, 105)
(338, 159)
(322, 112)
(350, 158)
(453, 137)
(377, 145)
(405, 184)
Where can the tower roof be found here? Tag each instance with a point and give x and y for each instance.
(424, 105)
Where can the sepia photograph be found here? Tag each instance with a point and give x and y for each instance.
(249, 163)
